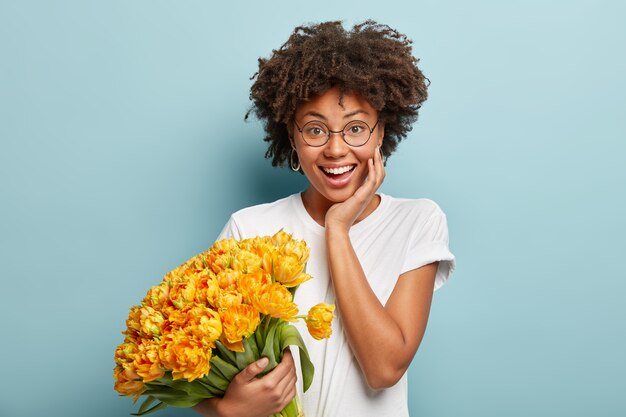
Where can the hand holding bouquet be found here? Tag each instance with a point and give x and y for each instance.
(213, 316)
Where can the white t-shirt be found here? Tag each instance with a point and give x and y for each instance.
(400, 235)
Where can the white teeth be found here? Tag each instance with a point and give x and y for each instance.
(337, 171)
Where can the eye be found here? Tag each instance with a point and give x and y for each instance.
(314, 130)
(356, 129)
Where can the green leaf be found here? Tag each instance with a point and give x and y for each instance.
(246, 357)
(164, 392)
(173, 397)
(215, 391)
(143, 412)
(259, 339)
(289, 336)
(193, 388)
(146, 404)
(253, 346)
(226, 369)
(208, 384)
(225, 353)
(217, 378)
(268, 350)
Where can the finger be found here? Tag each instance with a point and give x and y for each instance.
(380, 167)
(251, 371)
(281, 370)
(286, 383)
(289, 393)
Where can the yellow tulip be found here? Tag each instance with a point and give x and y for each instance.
(296, 248)
(280, 238)
(151, 321)
(183, 293)
(228, 278)
(225, 245)
(133, 322)
(228, 298)
(125, 352)
(288, 270)
(249, 283)
(245, 261)
(126, 386)
(157, 296)
(319, 321)
(274, 300)
(185, 356)
(239, 321)
(147, 363)
(198, 321)
(207, 288)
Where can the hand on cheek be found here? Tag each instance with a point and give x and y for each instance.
(343, 215)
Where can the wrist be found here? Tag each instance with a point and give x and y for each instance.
(220, 407)
(336, 229)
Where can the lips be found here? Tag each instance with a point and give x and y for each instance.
(338, 176)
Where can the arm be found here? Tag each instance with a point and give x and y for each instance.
(399, 325)
(249, 396)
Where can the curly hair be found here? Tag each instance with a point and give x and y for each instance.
(372, 60)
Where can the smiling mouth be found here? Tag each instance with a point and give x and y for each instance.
(335, 172)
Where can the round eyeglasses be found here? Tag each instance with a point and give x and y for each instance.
(355, 133)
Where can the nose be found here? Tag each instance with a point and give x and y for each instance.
(336, 147)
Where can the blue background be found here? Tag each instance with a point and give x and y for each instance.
(123, 150)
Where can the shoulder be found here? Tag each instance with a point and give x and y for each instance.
(261, 219)
(259, 211)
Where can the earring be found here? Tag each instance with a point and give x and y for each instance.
(294, 165)
(382, 155)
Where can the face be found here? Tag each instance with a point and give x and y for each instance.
(335, 170)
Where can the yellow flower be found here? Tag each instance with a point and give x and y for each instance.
(185, 356)
(228, 278)
(296, 248)
(249, 283)
(183, 293)
(228, 298)
(220, 256)
(125, 385)
(319, 321)
(151, 321)
(288, 270)
(157, 296)
(125, 352)
(144, 321)
(133, 322)
(146, 361)
(207, 288)
(246, 261)
(198, 321)
(225, 245)
(280, 238)
(274, 300)
(239, 321)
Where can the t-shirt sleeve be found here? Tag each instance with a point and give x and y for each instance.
(230, 230)
(430, 244)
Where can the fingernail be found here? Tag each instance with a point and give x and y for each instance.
(262, 363)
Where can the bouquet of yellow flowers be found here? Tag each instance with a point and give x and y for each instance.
(213, 316)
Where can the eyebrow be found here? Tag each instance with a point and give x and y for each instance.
(321, 116)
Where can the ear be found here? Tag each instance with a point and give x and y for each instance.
(381, 133)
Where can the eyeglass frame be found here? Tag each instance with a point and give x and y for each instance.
(330, 132)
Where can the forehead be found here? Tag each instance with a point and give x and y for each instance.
(335, 104)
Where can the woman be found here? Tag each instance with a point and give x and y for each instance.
(335, 105)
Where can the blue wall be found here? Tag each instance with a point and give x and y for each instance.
(123, 150)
